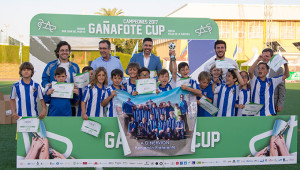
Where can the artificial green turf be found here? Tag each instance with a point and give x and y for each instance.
(5, 87)
(8, 144)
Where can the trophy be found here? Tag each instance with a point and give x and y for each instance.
(280, 127)
(172, 47)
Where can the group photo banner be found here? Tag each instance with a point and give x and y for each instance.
(218, 142)
(157, 125)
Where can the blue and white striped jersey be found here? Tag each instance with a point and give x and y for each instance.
(171, 85)
(152, 124)
(262, 92)
(172, 123)
(227, 97)
(129, 86)
(243, 98)
(154, 110)
(180, 124)
(93, 98)
(110, 112)
(26, 96)
(162, 125)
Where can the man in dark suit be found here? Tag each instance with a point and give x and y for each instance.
(146, 58)
(279, 93)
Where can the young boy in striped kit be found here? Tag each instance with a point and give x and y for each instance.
(60, 106)
(171, 123)
(154, 110)
(244, 94)
(24, 94)
(152, 126)
(165, 84)
(147, 112)
(180, 128)
(132, 128)
(129, 84)
(204, 79)
(228, 93)
(110, 92)
(82, 90)
(161, 109)
(262, 88)
(161, 128)
(143, 126)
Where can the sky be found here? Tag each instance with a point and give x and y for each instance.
(15, 15)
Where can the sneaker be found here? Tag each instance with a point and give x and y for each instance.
(157, 138)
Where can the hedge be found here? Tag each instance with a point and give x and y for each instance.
(10, 54)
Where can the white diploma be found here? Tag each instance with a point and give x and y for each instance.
(276, 62)
(183, 81)
(82, 79)
(224, 64)
(146, 86)
(28, 125)
(152, 73)
(252, 108)
(208, 106)
(62, 90)
(91, 127)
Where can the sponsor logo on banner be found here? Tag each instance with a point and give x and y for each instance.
(46, 25)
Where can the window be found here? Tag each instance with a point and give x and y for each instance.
(287, 30)
(238, 30)
(275, 30)
(297, 30)
(255, 29)
(224, 29)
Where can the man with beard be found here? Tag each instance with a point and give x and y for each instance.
(62, 52)
(146, 58)
(220, 49)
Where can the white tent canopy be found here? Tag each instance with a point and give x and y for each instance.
(251, 61)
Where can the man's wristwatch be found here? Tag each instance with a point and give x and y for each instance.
(172, 58)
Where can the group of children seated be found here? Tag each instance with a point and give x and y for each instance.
(95, 100)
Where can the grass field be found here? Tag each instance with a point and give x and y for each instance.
(8, 144)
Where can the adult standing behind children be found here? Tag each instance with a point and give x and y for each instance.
(106, 60)
(220, 49)
(279, 93)
(62, 52)
(146, 58)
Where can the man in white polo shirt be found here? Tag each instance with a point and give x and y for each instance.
(220, 49)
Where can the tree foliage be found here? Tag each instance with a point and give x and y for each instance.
(110, 12)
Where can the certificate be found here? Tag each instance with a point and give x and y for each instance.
(183, 81)
(152, 73)
(276, 62)
(62, 90)
(28, 124)
(208, 106)
(252, 109)
(91, 127)
(224, 64)
(81, 79)
(146, 86)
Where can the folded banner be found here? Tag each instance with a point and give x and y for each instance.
(151, 126)
(219, 141)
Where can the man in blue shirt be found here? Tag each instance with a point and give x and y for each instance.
(146, 58)
(62, 53)
(183, 105)
(106, 60)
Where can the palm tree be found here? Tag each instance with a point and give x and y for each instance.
(110, 12)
